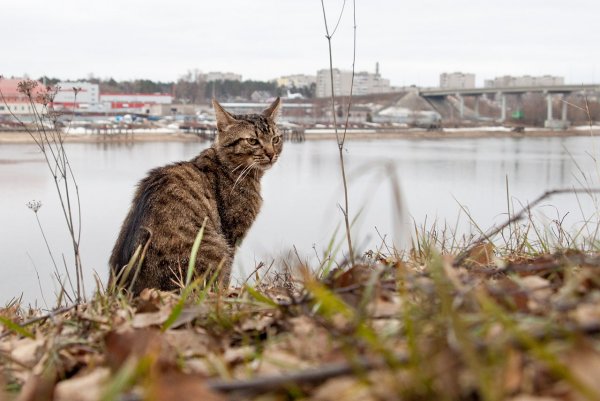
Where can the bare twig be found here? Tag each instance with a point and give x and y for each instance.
(40, 318)
(309, 376)
(51, 144)
(341, 140)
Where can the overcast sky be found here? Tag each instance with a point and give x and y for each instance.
(414, 41)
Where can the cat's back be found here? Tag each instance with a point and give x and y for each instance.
(170, 201)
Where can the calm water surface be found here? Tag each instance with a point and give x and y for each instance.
(301, 196)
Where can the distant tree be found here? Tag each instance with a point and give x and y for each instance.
(189, 91)
(238, 89)
(48, 80)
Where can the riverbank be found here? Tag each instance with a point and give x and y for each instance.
(324, 134)
(515, 326)
(24, 137)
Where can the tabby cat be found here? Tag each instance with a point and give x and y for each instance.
(221, 184)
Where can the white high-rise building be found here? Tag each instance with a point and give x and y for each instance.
(457, 80)
(365, 83)
(87, 94)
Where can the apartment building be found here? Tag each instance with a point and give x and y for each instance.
(524, 80)
(365, 83)
(457, 80)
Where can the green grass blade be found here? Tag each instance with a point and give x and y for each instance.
(9, 324)
(261, 297)
(194, 254)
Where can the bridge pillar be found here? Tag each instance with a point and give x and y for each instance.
(563, 123)
(476, 106)
(461, 105)
(503, 115)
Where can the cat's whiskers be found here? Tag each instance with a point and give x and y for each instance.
(243, 173)
(238, 166)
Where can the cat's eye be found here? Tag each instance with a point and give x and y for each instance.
(252, 141)
(276, 140)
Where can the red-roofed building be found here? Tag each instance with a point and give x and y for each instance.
(14, 102)
(88, 99)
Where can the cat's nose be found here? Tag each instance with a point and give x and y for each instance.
(270, 154)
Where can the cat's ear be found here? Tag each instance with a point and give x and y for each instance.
(273, 109)
(224, 118)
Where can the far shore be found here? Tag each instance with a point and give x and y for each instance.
(7, 137)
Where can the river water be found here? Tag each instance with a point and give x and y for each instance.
(301, 197)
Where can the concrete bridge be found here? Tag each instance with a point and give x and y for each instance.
(549, 91)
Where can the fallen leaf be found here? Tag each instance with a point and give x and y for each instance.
(236, 355)
(583, 361)
(137, 343)
(513, 372)
(482, 254)
(358, 274)
(176, 386)
(527, 397)
(39, 387)
(25, 351)
(343, 388)
(587, 314)
(539, 292)
(142, 320)
(84, 387)
(190, 342)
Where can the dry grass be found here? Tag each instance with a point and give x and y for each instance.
(504, 324)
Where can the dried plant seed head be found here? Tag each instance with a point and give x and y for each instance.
(34, 205)
(26, 87)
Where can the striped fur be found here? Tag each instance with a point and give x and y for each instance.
(221, 184)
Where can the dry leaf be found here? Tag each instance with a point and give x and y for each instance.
(176, 386)
(236, 355)
(142, 320)
(539, 292)
(513, 372)
(277, 361)
(39, 387)
(482, 254)
(86, 387)
(25, 351)
(506, 292)
(137, 343)
(358, 274)
(259, 324)
(190, 342)
(343, 388)
(587, 314)
(583, 361)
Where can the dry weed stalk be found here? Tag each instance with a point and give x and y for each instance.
(50, 141)
(341, 139)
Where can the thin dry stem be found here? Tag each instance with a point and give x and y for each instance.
(340, 141)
